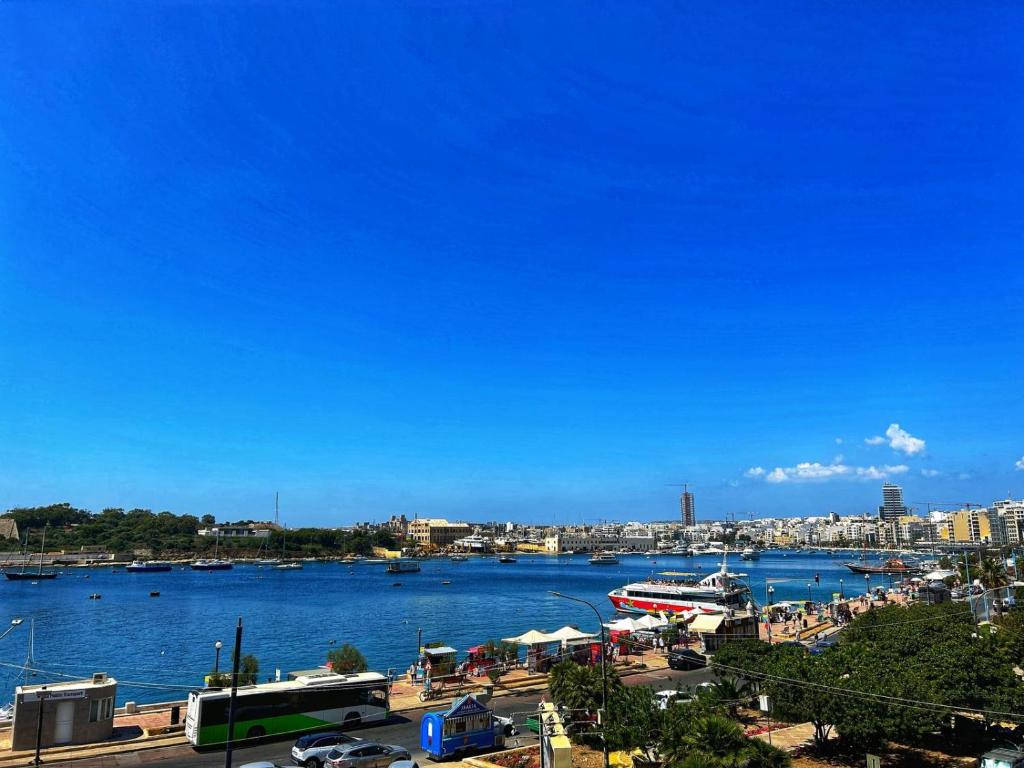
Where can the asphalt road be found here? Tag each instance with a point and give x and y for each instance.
(398, 730)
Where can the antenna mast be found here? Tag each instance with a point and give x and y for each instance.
(277, 507)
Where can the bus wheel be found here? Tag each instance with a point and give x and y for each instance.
(353, 720)
(256, 732)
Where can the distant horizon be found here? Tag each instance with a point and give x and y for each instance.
(531, 261)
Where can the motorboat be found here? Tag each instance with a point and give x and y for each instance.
(750, 554)
(293, 566)
(604, 558)
(402, 566)
(147, 566)
(212, 564)
(506, 559)
(458, 558)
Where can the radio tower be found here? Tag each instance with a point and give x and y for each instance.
(277, 508)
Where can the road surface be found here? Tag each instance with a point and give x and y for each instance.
(402, 730)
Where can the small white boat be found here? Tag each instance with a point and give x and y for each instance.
(604, 558)
(458, 558)
(750, 554)
(288, 567)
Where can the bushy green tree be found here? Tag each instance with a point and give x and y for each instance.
(347, 659)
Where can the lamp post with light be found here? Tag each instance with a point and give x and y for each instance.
(216, 659)
(604, 674)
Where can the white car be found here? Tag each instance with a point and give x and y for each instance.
(670, 696)
(311, 750)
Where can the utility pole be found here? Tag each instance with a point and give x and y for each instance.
(39, 725)
(234, 694)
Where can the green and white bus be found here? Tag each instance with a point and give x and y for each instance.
(308, 702)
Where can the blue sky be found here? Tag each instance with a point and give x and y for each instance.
(492, 260)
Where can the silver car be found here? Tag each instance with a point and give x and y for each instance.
(312, 749)
(366, 754)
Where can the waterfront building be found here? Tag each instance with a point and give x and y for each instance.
(255, 530)
(473, 543)
(966, 526)
(437, 532)
(892, 507)
(686, 510)
(72, 712)
(8, 529)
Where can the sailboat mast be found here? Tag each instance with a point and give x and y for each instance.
(42, 548)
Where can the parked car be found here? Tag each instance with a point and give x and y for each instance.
(261, 764)
(686, 659)
(669, 696)
(405, 764)
(312, 749)
(366, 754)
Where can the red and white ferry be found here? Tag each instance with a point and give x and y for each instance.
(711, 594)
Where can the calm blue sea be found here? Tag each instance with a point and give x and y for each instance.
(158, 647)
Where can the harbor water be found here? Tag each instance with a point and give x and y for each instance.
(159, 647)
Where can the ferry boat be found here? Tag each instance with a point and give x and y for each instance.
(750, 554)
(147, 566)
(403, 566)
(604, 558)
(712, 594)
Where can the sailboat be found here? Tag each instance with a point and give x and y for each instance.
(292, 566)
(214, 564)
(269, 562)
(38, 575)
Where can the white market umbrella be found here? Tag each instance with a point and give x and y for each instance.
(570, 633)
(624, 625)
(533, 637)
(939, 575)
(650, 622)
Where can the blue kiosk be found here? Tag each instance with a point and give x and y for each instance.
(466, 727)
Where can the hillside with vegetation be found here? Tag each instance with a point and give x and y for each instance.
(114, 529)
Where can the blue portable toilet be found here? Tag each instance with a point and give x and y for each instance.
(465, 727)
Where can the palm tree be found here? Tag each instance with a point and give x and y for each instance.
(760, 754)
(992, 573)
(717, 738)
(731, 691)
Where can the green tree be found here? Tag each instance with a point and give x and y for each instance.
(347, 659)
(248, 670)
(634, 721)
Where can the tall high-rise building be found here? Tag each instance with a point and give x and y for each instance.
(686, 508)
(892, 508)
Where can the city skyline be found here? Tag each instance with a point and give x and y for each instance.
(476, 264)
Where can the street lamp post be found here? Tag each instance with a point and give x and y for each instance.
(216, 659)
(867, 584)
(770, 592)
(841, 596)
(604, 672)
(809, 600)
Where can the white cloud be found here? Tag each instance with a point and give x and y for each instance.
(813, 471)
(1020, 463)
(901, 440)
(839, 441)
(930, 473)
(964, 476)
